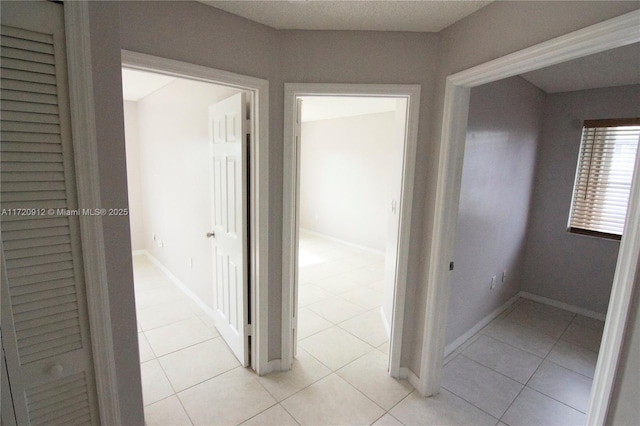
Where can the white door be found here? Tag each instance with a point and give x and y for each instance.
(45, 329)
(228, 131)
(393, 221)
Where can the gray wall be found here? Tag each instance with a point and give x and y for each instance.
(571, 268)
(494, 31)
(224, 41)
(497, 178)
(217, 39)
(112, 172)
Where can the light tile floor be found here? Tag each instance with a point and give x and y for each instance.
(532, 365)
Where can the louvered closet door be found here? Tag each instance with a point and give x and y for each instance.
(44, 320)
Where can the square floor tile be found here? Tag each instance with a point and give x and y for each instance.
(521, 337)
(365, 275)
(387, 420)
(364, 297)
(574, 358)
(311, 293)
(274, 416)
(231, 398)
(164, 314)
(310, 323)
(337, 284)
(305, 370)
(369, 375)
(167, 412)
(331, 401)
(334, 347)
(444, 408)
(580, 335)
(543, 318)
(157, 281)
(593, 323)
(155, 385)
(562, 384)
(514, 363)
(149, 298)
(144, 349)
(368, 326)
(197, 363)
(179, 335)
(532, 408)
(336, 309)
(490, 391)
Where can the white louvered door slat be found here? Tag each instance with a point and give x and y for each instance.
(45, 331)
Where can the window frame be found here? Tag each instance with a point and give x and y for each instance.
(598, 124)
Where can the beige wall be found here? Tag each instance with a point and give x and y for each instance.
(195, 33)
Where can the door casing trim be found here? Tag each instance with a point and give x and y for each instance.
(258, 90)
(411, 92)
(615, 32)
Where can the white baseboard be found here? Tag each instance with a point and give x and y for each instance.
(273, 366)
(182, 286)
(405, 373)
(451, 347)
(338, 240)
(562, 305)
(139, 252)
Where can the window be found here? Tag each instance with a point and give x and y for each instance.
(603, 178)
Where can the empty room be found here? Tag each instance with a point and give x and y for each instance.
(534, 267)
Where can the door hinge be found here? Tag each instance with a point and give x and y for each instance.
(248, 329)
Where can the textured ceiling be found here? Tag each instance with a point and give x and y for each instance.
(364, 15)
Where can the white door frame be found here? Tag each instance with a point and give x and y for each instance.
(258, 92)
(291, 217)
(606, 35)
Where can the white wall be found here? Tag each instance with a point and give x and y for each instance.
(132, 145)
(175, 179)
(345, 178)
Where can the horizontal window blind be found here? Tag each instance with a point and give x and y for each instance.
(603, 178)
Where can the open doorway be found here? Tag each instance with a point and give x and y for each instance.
(598, 38)
(525, 286)
(350, 155)
(195, 223)
(172, 208)
(346, 217)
